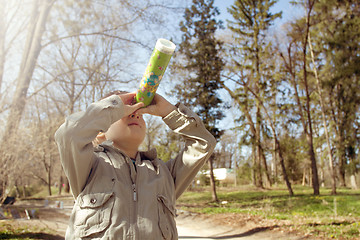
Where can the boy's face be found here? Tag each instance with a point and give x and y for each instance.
(128, 130)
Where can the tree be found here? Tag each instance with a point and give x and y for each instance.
(199, 50)
(43, 121)
(39, 15)
(86, 49)
(252, 19)
(2, 42)
(40, 12)
(278, 146)
(296, 64)
(169, 146)
(322, 105)
(153, 129)
(336, 36)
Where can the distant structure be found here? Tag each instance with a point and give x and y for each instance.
(223, 175)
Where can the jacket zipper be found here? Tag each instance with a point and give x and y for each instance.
(133, 214)
(135, 201)
(134, 192)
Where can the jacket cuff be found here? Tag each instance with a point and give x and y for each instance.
(182, 116)
(112, 102)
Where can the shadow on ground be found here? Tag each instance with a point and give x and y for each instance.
(245, 234)
(43, 236)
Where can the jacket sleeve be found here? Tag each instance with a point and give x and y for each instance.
(199, 145)
(74, 138)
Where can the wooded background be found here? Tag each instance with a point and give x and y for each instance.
(294, 91)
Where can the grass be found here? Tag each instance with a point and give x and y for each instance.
(44, 192)
(25, 232)
(15, 230)
(324, 215)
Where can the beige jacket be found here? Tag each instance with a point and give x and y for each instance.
(115, 200)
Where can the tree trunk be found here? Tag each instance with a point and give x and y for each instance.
(277, 143)
(266, 170)
(342, 163)
(353, 182)
(212, 180)
(28, 62)
(339, 143)
(24, 192)
(305, 120)
(67, 185)
(2, 42)
(274, 170)
(304, 177)
(322, 105)
(60, 183)
(258, 149)
(314, 172)
(282, 164)
(253, 169)
(49, 180)
(309, 134)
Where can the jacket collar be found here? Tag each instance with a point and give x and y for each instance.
(108, 145)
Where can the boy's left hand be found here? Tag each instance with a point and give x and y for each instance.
(129, 107)
(159, 107)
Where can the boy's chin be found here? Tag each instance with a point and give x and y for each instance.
(134, 139)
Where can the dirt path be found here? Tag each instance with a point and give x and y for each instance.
(197, 227)
(190, 226)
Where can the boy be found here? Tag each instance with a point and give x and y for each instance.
(122, 193)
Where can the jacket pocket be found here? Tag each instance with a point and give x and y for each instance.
(93, 213)
(167, 215)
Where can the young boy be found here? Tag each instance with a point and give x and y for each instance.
(122, 193)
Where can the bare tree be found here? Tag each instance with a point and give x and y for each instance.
(273, 128)
(32, 48)
(323, 115)
(296, 60)
(2, 41)
(87, 49)
(153, 130)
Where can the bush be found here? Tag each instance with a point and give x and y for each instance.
(205, 180)
(243, 175)
(25, 191)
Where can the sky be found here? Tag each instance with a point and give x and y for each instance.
(288, 10)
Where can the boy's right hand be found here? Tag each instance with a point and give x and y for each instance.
(128, 100)
(158, 107)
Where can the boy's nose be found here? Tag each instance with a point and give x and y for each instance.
(135, 115)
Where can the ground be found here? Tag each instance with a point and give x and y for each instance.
(236, 226)
(52, 221)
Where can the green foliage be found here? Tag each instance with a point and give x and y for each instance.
(251, 20)
(24, 191)
(204, 180)
(200, 50)
(244, 174)
(35, 190)
(25, 232)
(166, 152)
(277, 203)
(251, 67)
(294, 153)
(331, 215)
(169, 146)
(336, 35)
(44, 192)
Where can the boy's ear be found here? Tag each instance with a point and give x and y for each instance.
(101, 136)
